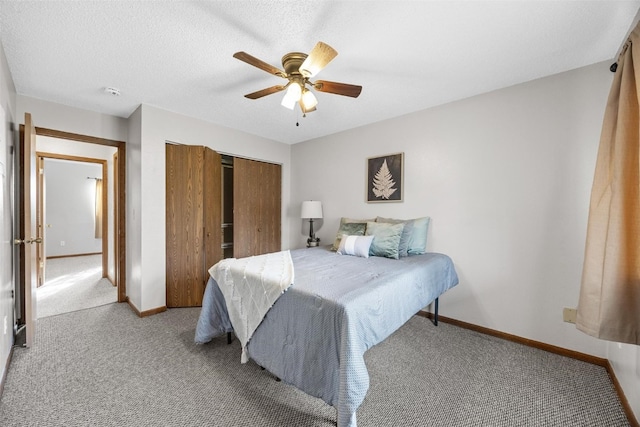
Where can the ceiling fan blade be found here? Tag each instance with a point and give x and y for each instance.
(252, 60)
(265, 92)
(319, 57)
(338, 88)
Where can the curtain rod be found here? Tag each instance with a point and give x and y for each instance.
(89, 177)
(634, 23)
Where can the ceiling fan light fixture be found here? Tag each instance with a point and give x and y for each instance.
(298, 68)
(294, 92)
(309, 100)
(288, 102)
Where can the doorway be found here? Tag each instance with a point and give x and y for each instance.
(74, 195)
(119, 223)
(74, 199)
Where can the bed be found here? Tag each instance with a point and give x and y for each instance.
(315, 335)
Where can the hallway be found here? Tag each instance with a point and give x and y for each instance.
(72, 284)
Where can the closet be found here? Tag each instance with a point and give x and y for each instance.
(217, 206)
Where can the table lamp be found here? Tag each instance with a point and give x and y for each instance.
(311, 209)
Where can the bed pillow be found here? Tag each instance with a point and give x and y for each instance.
(418, 240)
(403, 248)
(386, 239)
(364, 221)
(351, 228)
(355, 245)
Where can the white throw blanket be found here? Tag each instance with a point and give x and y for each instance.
(250, 287)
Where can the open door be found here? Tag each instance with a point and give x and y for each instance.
(30, 239)
(119, 274)
(40, 218)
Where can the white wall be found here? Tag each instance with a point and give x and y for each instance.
(506, 177)
(158, 126)
(60, 117)
(70, 207)
(7, 209)
(625, 359)
(134, 209)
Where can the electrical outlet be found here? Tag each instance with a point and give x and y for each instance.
(62, 243)
(569, 315)
(6, 325)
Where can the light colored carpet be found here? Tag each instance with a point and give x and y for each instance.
(73, 283)
(107, 367)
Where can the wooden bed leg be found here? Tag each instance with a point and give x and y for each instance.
(229, 338)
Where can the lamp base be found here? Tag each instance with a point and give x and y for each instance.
(313, 242)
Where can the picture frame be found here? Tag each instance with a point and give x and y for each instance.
(385, 178)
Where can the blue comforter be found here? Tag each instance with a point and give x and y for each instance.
(315, 335)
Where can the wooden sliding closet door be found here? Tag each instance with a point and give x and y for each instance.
(257, 204)
(193, 221)
(212, 211)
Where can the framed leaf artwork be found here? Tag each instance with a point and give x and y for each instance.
(385, 178)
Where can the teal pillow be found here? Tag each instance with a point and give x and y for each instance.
(418, 240)
(350, 229)
(403, 248)
(386, 239)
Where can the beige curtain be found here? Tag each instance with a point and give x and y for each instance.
(609, 304)
(98, 221)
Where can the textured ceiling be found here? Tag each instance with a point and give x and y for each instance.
(407, 55)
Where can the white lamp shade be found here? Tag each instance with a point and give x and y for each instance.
(309, 100)
(293, 94)
(311, 209)
(288, 102)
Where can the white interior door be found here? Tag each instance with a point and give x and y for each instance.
(30, 237)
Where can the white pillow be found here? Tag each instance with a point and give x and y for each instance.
(355, 245)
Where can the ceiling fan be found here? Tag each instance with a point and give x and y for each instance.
(298, 69)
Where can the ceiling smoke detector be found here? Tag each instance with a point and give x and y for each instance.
(112, 91)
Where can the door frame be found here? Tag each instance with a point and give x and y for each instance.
(119, 201)
(116, 219)
(41, 253)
